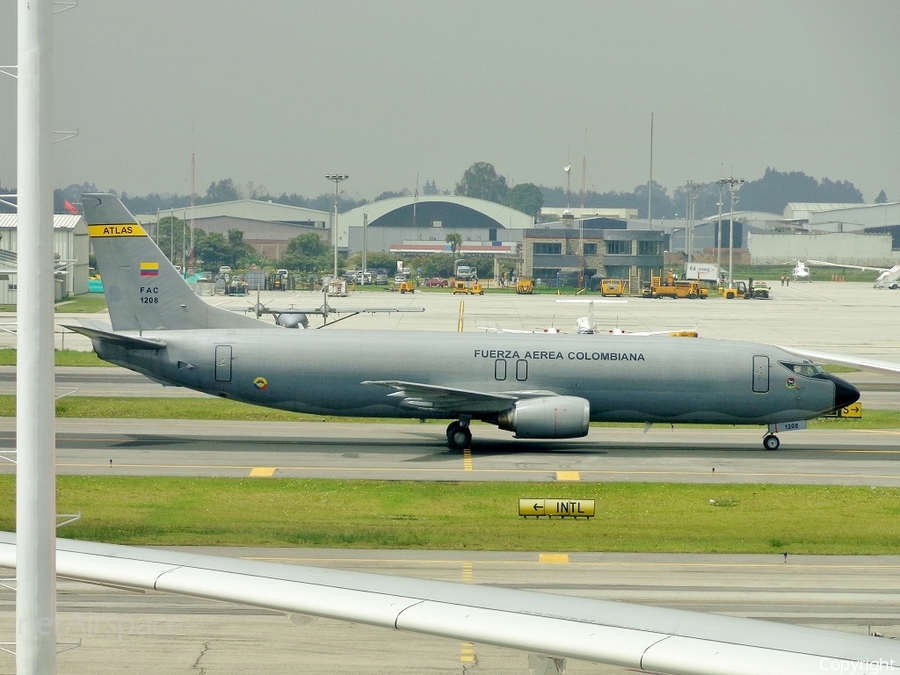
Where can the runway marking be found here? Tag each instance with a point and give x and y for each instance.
(568, 475)
(381, 469)
(793, 564)
(553, 558)
(467, 649)
(263, 471)
(467, 459)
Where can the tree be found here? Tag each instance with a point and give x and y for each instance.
(388, 194)
(527, 198)
(776, 189)
(306, 253)
(455, 241)
(881, 198)
(213, 249)
(482, 182)
(223, 191)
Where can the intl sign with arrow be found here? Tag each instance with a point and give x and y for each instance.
(556, 508)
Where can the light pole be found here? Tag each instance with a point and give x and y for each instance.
(721, 182)
(337, 178)
(731, 182)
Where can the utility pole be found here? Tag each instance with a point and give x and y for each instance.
(689, 215)
(731, 181)
(720, 182)
(337, 178)
(650, 181)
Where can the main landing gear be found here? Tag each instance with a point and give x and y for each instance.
(771, 442)
(459, 436)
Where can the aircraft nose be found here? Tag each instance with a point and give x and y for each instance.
(844, 392)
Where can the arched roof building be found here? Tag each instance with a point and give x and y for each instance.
(423, 222)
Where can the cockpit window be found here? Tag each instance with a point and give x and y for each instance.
(806, 369)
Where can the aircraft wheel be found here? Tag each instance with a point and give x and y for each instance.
(458, 436)
(771, 442)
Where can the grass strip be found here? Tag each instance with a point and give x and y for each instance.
(62, 358)
(94, 407)
(658, 517)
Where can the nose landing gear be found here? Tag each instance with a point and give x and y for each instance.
(771, 442)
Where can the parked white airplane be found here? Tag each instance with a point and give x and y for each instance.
(888, 277)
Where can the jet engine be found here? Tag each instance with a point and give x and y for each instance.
(547, 417)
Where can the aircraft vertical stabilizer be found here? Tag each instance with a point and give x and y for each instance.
(143, 289)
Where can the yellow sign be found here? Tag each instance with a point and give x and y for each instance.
(125, 230)
(853, 410)
(559, 508)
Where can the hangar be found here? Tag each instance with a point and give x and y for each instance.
(267, 226)
(70, 251)
(406, 224)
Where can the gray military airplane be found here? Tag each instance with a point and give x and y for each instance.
(520, 382)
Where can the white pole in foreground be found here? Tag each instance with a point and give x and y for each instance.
(35, 413)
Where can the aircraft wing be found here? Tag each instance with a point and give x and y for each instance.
(845, 360)
(435, 397)
(822, 263)
(649, 639)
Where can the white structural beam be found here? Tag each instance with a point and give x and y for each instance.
(35, 413)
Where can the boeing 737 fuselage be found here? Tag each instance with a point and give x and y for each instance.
(521, 382)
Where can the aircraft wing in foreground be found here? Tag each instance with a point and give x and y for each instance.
(548, 627)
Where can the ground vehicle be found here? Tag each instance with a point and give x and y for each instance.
(337, 288)
(464, 288)
(524, 287)
(615, 287)
(670, 287)
(759, 290)
(224, 269)
(436, 282)
(736, 290)
(363, 278)
(466, 273)
(406, 287)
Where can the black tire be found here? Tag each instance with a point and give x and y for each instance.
(771, 442)
(459, 436)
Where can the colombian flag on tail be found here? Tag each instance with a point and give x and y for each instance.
(149, 269)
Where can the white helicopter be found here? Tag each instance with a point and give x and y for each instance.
(800, 271)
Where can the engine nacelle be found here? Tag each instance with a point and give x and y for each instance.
(547, 417)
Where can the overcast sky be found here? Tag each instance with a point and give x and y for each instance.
(282, 92)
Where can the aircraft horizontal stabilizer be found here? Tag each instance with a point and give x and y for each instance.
(120, 339)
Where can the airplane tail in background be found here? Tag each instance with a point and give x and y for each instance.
(143, 289)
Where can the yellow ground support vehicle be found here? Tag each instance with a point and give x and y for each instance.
(406, 287)
(737, 290)
(613, 287)
(524, 287)
(670, 287)
(461, 287)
